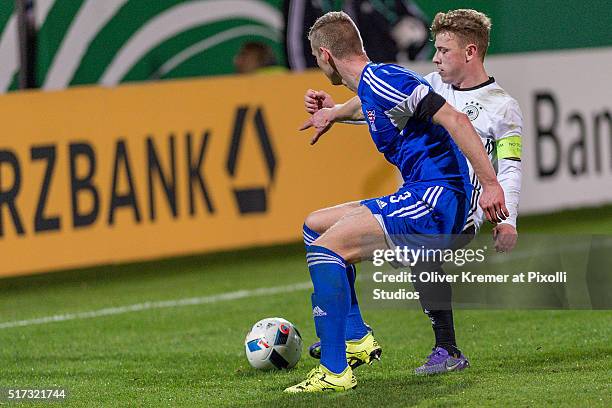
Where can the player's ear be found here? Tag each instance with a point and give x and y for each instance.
(470, 52)
(325, 53)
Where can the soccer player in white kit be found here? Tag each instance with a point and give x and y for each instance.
(461, 41)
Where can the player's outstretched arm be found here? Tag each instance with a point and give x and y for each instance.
(458, 125)
(505, 234)
(508, 144)
(505, 237)
(315, 100)
(347, 111)
(323, 119)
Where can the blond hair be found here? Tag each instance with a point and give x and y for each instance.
(338, 33)
(470, 26)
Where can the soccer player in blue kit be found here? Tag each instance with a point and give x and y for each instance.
(461, 38)
(416, 130)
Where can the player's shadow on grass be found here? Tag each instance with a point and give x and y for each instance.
(245, 372)
(398, 390)
(409, 389)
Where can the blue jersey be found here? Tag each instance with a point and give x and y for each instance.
(396, 106)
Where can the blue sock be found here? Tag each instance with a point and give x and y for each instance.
(332, 301)
(355, 326)
(309, 235)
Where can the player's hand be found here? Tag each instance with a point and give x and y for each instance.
(504, 236)
(316, 100)
(321, 121)
(493, 203)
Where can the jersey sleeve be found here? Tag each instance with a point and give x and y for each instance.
(509, 175)
(403, 95)
(433, 79)
(508, 130)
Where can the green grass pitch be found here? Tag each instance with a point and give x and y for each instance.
(193, 355)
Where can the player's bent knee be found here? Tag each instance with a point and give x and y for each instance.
(316, 221)
(321, 220)
(311, 222)
(350, 255)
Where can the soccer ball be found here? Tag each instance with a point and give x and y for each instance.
(273, 343)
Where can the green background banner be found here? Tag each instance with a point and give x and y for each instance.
(130, 40)
(115, 41)
(527, 25)
(9, 57)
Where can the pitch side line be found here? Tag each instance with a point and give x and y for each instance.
(164, 304)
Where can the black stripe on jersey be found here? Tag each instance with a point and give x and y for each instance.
(474, 182)
(475, 195)
(472, 209)
(489, 146)
(429, 106)
(474, 198)
(468, 224)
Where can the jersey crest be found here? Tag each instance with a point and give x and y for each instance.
(372, 118)
(472, 109)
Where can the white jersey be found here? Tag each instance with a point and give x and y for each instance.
(498, 120)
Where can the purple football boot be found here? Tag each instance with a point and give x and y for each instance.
(439, 361)
(315, 350)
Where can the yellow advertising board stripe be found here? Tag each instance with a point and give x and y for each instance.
(97, 175)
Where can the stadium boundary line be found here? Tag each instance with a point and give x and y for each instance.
(163, 304)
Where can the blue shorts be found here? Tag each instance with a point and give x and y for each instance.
(418, 210)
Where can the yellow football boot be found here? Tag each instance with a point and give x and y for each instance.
(363, 351)
(321, 379)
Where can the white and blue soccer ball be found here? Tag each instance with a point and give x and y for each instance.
(273, 343)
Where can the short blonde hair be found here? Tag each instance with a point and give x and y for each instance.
(337, 32)
(470, 26)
